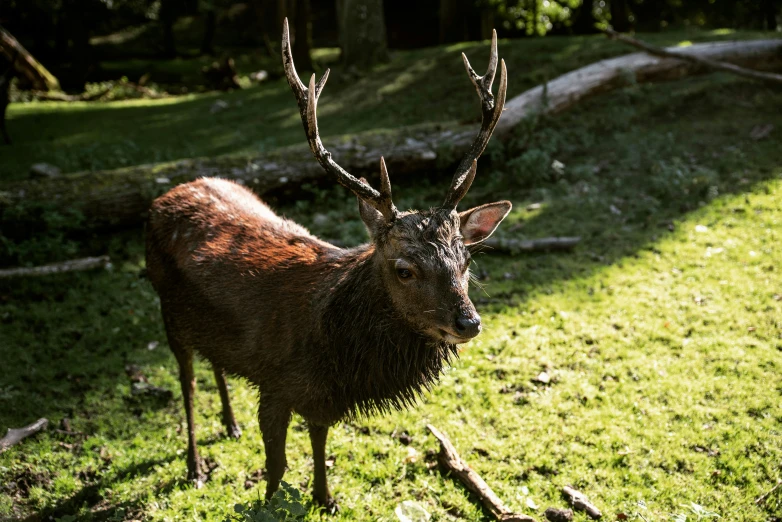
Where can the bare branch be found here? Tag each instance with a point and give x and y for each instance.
(711, 64)
(16, 435)
(581, 502)
(449, 458)
(74, 265)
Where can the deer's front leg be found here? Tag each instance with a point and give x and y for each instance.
(320, 491)
(274, 420)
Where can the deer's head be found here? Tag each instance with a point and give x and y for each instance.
(423, 256)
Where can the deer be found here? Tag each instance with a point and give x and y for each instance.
(328, 333)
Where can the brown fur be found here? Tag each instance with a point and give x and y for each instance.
(325, 332)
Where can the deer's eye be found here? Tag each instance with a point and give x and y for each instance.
(404, 273)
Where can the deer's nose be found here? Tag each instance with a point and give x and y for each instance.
(468, 325)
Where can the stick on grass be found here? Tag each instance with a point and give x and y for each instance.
(450, 460)
(16, 435)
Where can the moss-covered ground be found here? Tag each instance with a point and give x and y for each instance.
(661, 332)
(427, 85)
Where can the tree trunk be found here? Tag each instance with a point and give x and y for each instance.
(363, 35)
(302, 34)
(168, 15)
(299, 20)
(620, 15)
(453, 24)
(584, 19)
(27, 68)
(210, 26)
(5, 84)
(534, 10)
(270, 23)
(649, 15)
(770, 11)
(122, 197)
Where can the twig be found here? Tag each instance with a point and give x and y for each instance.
(762, 498)
(74, 265)
(581, 502)
(450, 459)
(711, 64)
(15, 435)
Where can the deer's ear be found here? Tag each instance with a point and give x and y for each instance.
(478, 223)
(371, 217)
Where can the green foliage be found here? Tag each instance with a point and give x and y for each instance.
(107, 135)
(660, 334)
(285, 505)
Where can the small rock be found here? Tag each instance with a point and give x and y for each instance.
(558, 515)
(259, 76)
(543, 378)
(45, 170)
(218, 106)
(410, 511)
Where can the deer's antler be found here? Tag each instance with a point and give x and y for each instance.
(307, 98)
(491, 111)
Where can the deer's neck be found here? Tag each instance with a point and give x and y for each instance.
(377, 360)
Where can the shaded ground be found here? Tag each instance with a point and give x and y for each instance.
(427, 85)
(662, 335)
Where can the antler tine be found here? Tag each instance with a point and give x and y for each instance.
(491, 110)
(307, 99)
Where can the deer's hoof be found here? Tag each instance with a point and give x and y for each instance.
(196, 478)
(329, 505)
(234, 432)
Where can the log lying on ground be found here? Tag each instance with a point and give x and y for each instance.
(74, 265)
(449, 458)
(27, 67)
(15, 435)
(695, 59)
(121, 197)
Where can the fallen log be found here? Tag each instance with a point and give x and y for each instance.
(16, 435)
(25, 65)
(705, 62)
(115, 198)
(449, 458)
(74, 265)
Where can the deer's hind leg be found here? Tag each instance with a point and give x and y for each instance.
(184, 357)
(231, 427)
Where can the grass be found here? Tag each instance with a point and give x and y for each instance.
(95, 136)
(661, 332)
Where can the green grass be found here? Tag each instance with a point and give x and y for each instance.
(427, 85)
(662, 333)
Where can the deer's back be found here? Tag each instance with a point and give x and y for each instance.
(236, 281)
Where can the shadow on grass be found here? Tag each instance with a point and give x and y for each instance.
(96, 136)
(102, 509)
(633, 165)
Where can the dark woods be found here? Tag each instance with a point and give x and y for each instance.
(71, 37)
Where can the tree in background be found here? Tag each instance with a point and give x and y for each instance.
(583, 18)
(620, 15)
(362, 32)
